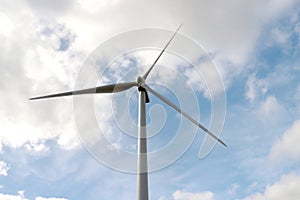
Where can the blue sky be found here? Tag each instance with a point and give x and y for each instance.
(255, 47)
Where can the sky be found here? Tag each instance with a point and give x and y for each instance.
(234, 66)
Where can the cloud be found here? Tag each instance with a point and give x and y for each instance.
(19, 196)
(280, 36)
(286, 188)
(53, 8)
(229, 29)
(277, 7)
(27, 59)
(180, 195)
(233, 189)
(51, 198)
(91, 7)
(44, 50)
(255, 88)
(251, 187)
(3, 168)
(44, 44)
(270, 109)
(286, 148)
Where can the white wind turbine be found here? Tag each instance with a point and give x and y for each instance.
(143, 89)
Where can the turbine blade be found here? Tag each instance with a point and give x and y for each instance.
(149, 70)
(119, 87)
(182, 113)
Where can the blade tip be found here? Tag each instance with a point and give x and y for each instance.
(223, 143)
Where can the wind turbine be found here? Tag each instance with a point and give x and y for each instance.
(143, 89)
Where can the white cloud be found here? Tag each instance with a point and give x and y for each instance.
(180, 195)
(234, 188)
(270, 109)
(31, 65)
(286, 188)
(51, 198)
(280, 36)
(276, 7)
(19, 196)
(251, 187)
(3, 168)
(32, 62)
(92, 7)
(163, 198)
(53, 8)
(287, 147)
(230, 31)
(27, 59)
(7, 23)
(255, 88)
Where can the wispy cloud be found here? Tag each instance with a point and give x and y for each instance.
(286, 150)
(3, 168)
(285, 188)
(51, 198)
(180, 195)
(21, 196)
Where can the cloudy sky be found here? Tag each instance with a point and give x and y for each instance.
(254, 46)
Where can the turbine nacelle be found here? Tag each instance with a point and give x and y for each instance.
(140, 83)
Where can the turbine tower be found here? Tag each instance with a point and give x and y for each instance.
(143, 89)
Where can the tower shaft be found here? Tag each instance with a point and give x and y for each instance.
(142, 165)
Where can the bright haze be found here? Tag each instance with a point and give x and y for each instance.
(255, 46)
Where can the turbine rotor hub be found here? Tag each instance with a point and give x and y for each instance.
(140, 81)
